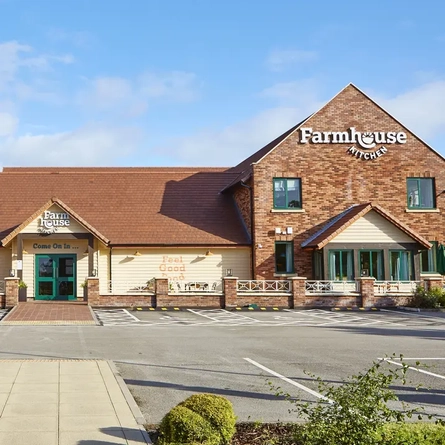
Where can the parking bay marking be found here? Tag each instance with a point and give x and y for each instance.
(287, 380)
(225, 316)
(432, 374)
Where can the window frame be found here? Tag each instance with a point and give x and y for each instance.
(286, 206)
(287, 243)
(350, 254)
(419, 181)
(380, 259)
(401, 252)
(432, 259)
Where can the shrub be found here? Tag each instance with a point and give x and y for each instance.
(412, 434)
(431, 299)
(203, 418)
(354, 412)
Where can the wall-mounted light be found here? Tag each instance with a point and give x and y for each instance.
(11, 272)
(94, 273)
(86, 251)
(229, 272)
(259, 246)
(137, 253)
(24, 251)
(277, 230)
(208, 253)
(289, 230)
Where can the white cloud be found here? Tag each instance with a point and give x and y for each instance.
(80, 39)
(278, 60)
(420, 109)
(132, 97)
(8, 124)
(90, 145)
(175, 85)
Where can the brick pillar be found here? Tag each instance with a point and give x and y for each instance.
(366, 289)
(93, 295)
(161, 291)
(11, 292)
(432, 282)
(298, 291)
(230, 285)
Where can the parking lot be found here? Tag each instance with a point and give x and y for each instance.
(165, 356)
(285, 317)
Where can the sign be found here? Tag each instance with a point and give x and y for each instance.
(49, 222)
(364, 140)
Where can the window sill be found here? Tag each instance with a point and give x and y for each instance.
(422, 210)
(289, 274)
(287, 211)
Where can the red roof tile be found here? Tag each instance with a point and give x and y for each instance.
(130, 206)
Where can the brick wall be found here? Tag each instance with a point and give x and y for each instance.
(333, 180)
(242, 199)
(125, 301)
(264, 300)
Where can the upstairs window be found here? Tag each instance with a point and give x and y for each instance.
(287, 193)
(421, 193)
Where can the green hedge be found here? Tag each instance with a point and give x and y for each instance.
(202, 418)
(412, 434)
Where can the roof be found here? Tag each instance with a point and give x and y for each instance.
(342, 221)
(128, 206)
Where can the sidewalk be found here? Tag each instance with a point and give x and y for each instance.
(67, 402)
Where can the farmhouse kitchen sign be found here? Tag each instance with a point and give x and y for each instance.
(365, 141)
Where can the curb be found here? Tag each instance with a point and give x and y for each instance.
(140, 419)
(8, 314)
(94, 317)
(355, 309)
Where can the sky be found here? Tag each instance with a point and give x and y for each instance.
(202, 82)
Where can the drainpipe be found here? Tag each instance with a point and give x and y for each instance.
(252, 265)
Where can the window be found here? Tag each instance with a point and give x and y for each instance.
(284, 257)
(371, 264)
(287, 193)
(400, 264)
(341, 266)
(421, 193)
(428, 257)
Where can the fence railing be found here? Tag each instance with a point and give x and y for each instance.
(2, 287)
(117, 287)
(264, 286)
(178, 287)
(331, 287)
(395, 287)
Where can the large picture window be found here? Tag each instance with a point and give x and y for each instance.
(421, 193)
(400, 265)
(287, 193)
(428, 258)
(371, 264)
(284, 257)
(341, 265)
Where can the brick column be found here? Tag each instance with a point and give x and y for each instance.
(230, 285)
(298, 291)
(11, 292)
(432, 282)
(366, 289)
(161, 291)
(93, 295)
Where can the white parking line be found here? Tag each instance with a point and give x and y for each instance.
(417, 369)
(131, 315)
(222, 315)
(292, 382)
(415, 314)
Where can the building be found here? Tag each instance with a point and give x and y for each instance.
(347, 193)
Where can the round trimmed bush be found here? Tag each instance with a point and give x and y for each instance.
(215, 409)
(181, 425)
(202, 418)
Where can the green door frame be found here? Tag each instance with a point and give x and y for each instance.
(55, 275)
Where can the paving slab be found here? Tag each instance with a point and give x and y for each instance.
(67, 402)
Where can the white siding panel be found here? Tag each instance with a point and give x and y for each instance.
(372, 228)
(74, 226)
(5, 262)
(177, 264)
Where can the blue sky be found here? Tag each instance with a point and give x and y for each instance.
(199, 82)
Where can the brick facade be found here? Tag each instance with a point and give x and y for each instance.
(333, 180)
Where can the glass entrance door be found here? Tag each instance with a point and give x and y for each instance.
(55, 277)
